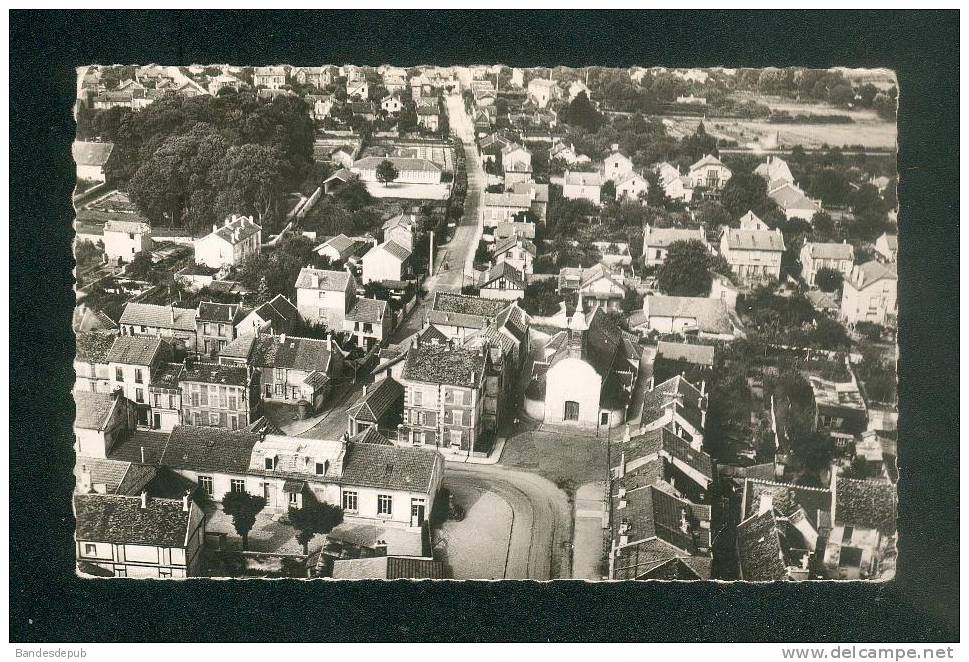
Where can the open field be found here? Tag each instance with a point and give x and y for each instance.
(758, 134)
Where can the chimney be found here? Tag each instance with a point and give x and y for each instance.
(215, 228)
(684, 521)
(282, 338)
(172, 307)
(144, 500)
(227, 220)
(142, 454)
(315, 279)
(365, 389)
(766, 503)
(380, 548)
(86, 487)
(186, 506)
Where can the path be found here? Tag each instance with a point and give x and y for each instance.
(588, 533)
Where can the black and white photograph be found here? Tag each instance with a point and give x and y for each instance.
(486, 322)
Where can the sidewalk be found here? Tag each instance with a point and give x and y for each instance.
(587, 542)
(465, 458)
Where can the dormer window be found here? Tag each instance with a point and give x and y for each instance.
(270, 462)
(322, 468)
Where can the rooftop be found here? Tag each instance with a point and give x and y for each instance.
(91, 154)
(135, 350)
(388, 567)
(443, 364)
(367, 310)
(280, 351)
(209, 449)
(377, 400)
(390, 467)
(94, 346)
(711, 315)
(506, 271)
(121, 519)
(215, 373)
(863, 275)
(759, 549)
(695, 354)
(463, 310)
(749, 240)
(236, 229)
(323, 279)
(218, 312)
(93, 409)
(162, 317)
(829, 251)
(866, 504)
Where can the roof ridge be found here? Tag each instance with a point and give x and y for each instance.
(779, 484)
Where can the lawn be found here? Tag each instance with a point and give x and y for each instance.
(565, 459)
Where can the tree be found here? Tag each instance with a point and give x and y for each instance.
(824, 226)
(830, 185)
(608, 190)
(541, 298)
(313, 518)
(87, 253)
(841, 95)
(742, 192)
(243, 508)
(686, 271)
(582, 113)
(814, 450)
(828, 279)
(712, 215)
(386, 172)
(140, 267)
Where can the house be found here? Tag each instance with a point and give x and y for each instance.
(666, 315)
(369, 322)
(224, 81)
(410, 170)
(656, 242)
(863, 529)
(217, 395)
(698, 358)
(331, 297)
(320, 106)
(886, 246)
(165, 395)
(91, 159)
(344, 156)
(754, 256)
(403, 229)
(338, 178)
(443, 400)
(586, 377)
(794, 202)
(723, 288)
(870, 294)
(272, 78)
(101, 421)
(215, 325)
(131, 362)
(91, 361)
(516, 161)
(691, 100)
(276, 316)
(139, 536)
(816, 256)
(358, 88)
(503, 207)
(775, 172)
(391, 104)
(710, 173)
(287, 369)
(87, 319)
(615, 255)
(379, 407)
(616, 167)
(389, 567)
(751, 221)
(502, 281)
(387, 261)
(429, 117)
(125, 239)
(515, 228)
(566, 153)
(228, 246)
(338, 248)
(678, 405)
(490, 146)
(598, 285)
(541, 91)
(516, 251)
(458, 315)
(538, 194)
(839, 409)
(578, 87)
(633, 186)
(318, 77)
(675, 185)
(176, 325)
(582, 186)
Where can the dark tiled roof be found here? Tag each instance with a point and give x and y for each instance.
(866, 504)
(93, 409)
(509, 243)
(264, 350)
(326, 279)
(162, 317)
(367, 310)
(681, 450)
(209, 449)
(371, 436)
(218, 312)
(787, 498)
(135, 350)
(94, 346)
(245, 226)
(380, 398)
(637, 561)
(390, 467)
(92, 320)
(759, 549)
(674, 390)
(442, 364)
(506, 271)
(461, 310)
(110, 473)
(680, 568)
(130, 449)
(388, 567)
(120, 519)
(166, 375)
(393, 248)
(280, 312)
(215, 373)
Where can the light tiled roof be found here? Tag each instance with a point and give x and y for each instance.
(91, 154)
(522, 200)
(162, 317)
(712, 315)
(367, 310)
(788, 196)
(830, 251)
(121, 519)
(407, 220)
(245, 226)
(135, 350)
(379, 399)
(126, 227)
(692, 353)
(583, 179)
(393, 248)
(209, 449)
(322, 279)
(540, 190)
(675, 390)
(371, 436)
(390, 467)
(109, 473)
(509, 243)
(787, 498)
(662, 237)
(93, 409)
(388, 567)
(506, 271)
(403, 164)
(707, 160)
(863, 275)
(341, 243)
(761, 240)
(461, 310)
(307, 354)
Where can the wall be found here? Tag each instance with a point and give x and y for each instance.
(576, 380)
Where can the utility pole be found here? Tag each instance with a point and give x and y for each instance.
(430, 252)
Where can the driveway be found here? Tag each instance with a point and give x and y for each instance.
(517, 525)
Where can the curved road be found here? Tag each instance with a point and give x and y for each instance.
(536, 547)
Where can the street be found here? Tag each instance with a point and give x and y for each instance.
(536, 532)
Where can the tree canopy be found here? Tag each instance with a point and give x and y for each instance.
(686, 271)
(313, 518)
(243, 508)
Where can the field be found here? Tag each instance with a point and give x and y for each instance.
(758, 134)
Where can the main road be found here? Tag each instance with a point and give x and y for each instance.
(454, 262)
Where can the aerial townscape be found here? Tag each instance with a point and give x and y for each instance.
(485, 322)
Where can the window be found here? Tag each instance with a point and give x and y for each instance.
(422, 418)
(196, 419)
(139, 395)
(157, 400)
(418, 438)
(321, 467)
(232, 402)
(138, 379)
(850, 557)
(279, 389)
(846, 537)
(269, 390)
(270, 463)
(418, 397)
(238, 485)
(213, 418)
(458, 417)
(293, 499)
(280, 375)
(171, 401)
(571, 410)
(449, 396)
(349, 501)
(204, 397)
(604, 418)
(223, 421)
(295, 393)
(205, 482)
(222, 397)
(195, 399)
(90, 549)
(385, 504)
(164, 573)
(118, 375)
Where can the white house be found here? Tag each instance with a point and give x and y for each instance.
(706, 317)
(751, 221)
(391, 104)
(887, 247)
(675, 185)
(709, 172)
(794, 202)
(409, 170)
(616, 167)
(578, 87)
(228, 246)
(223, 80)
(502, 207)
(598, 286)
(816, 256)
(91, 159)
(403, 229)
(324, 295)
(337, 249)
(124, 239)
(656, 242)
(582, 186)
(516, 251)
(502, 281)
(272, 78)
(870, 294)
(358, 88)
(386, 261)
(102, 421)
(753, 255)
(516, 161)
(633, 186)
(775, 172)
(541, 91)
